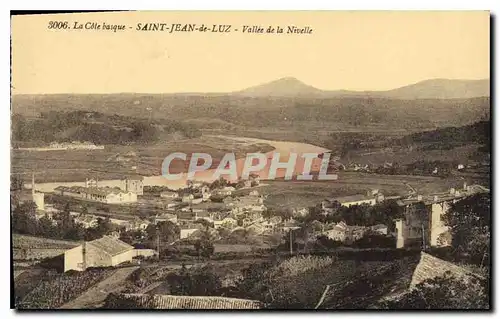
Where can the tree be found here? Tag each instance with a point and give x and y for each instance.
(85, 210)
(16, 183)
(166, 231)
(23, 218)
(202, 281)
(219, 183)
(103, 227)
(239, 184)
(204, 245)
(469, 221)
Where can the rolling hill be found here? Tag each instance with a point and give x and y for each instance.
(428, 89)
(288, 86)
(289, 103)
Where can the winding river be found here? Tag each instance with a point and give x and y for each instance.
(282, 147)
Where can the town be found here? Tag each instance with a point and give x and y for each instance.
(347, 168)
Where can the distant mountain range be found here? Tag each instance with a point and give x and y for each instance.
(428, 89)
(288, 102)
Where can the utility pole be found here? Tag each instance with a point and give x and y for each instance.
(158, 240)
(291, 246)
(423, 237)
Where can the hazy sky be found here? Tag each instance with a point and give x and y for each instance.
(346, 50)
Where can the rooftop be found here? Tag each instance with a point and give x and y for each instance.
(430, 267)
(142, 301)
(90, 190)
(353, 198)
(110, 245)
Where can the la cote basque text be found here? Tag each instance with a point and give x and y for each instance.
(178, 27)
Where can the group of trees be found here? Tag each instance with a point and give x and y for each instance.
(95, 127)
(469, 221)
(360, 215)
(200, 281)
(61, 226)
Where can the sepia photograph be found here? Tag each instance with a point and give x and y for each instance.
(250, 160)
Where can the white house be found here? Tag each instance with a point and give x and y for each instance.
(226, 191)
(338, 232)
(358, 199)
(187, 198)
(254, 193)
(380, 229)
(107, 251)
(169, 194)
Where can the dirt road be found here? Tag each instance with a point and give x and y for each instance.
(96, 295)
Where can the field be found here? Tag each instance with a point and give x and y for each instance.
(56, 289)
(27, 242)
(297, 194)
(115, 161)
(32, 248)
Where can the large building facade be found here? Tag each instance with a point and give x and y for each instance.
(107, 251)
(422, 222)
(106, 195)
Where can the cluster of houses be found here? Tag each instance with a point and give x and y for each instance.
(242, 211)
(421, 224)
(350, 233)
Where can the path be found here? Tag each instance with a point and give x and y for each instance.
(96, 295)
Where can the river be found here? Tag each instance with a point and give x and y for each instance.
(282, 147)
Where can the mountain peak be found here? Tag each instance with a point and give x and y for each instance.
(287, 86)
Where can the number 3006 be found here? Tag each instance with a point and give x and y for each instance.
(58, 25)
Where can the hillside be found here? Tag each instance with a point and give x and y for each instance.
(428, 89)
(334, 113)
(96, 127)
(449, 137)
(442, 89)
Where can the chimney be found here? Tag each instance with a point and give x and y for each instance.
(419, 197)
(84, 255)
(452, 191)
(465, 186)
(86, 182)
(435, 198)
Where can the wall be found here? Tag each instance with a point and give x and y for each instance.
(73, 259)
(135, 186)
(123, 257)
(144, 252)
(96, 257)
(437, 225)
(400, 233)
(39, 199)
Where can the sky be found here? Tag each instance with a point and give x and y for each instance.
(346, 50)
